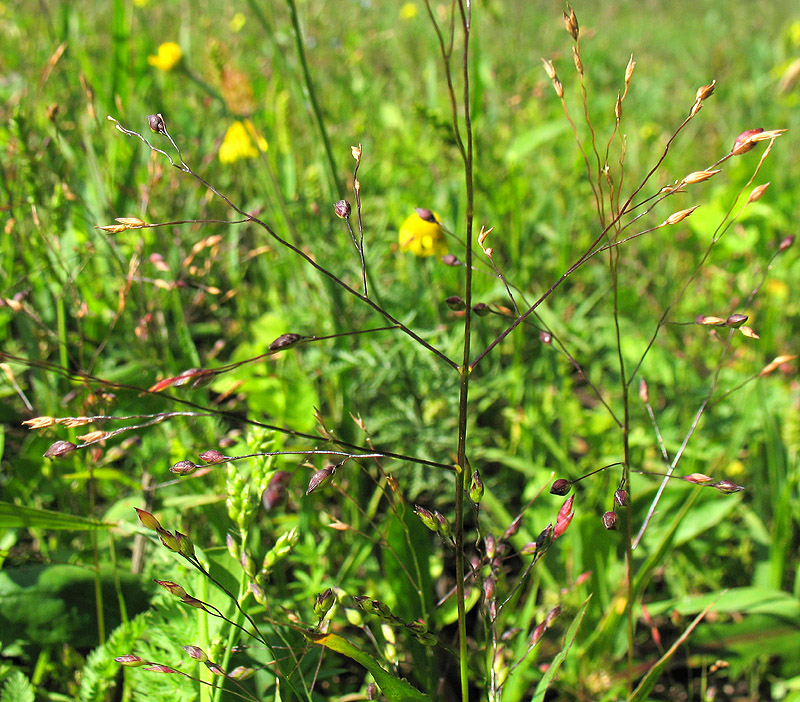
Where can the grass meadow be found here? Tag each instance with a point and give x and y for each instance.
(434, 371)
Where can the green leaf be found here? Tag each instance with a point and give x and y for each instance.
(54, 604)
(17, 689)
(569, 639)
(396, 689)
(12, 516)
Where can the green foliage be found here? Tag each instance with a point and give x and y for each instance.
(17, 688)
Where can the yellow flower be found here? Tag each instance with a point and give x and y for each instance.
(408, 11)
(422, 235)
(241, 141)
(237, 22)
(168, 56)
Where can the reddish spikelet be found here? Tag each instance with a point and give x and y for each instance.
(196, 652)
(130, 660)
(213, 456)
(610, 521)
(160, 669)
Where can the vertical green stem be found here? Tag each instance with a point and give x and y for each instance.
(312, 99)
(465, 369)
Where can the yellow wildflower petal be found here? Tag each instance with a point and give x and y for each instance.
(237, 22)
(422, 235)
(237, 144)
(408, 11)
(260, 141)
(168, 56)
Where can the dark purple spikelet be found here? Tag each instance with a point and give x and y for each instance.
(456, 303)
(561, 487)
(183, 468)
(156, 123)
(610, 520)
(285, 341)
(342, 209)
(320, 479)
(60, 449)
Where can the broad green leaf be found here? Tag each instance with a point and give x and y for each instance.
(56, 604)
(12, 516)
(396, 689)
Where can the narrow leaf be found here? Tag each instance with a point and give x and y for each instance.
(396, 689)
(569, 639)
(12, 516)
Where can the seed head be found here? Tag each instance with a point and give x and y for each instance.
(323, 602)
(549, 69)
(157, 124)
(148, 520)
(320, 479)
(481, 309)
(644, 391)
(786, 243)
(183, 468)
(476, 488)
(285, 341)
(610, 520)
(342, 209)
(697, 478)
(444, 525)
(544, 539)
(39, 422)
(757, 192)
(160, 669)
(576, 58)
(456, 303)
(566, 508)
(169, 540)
(172, 588)
(561, 487)
(699, 176)
(551, 615)
(745, 142)
(728, 487)
(130, 660)
(622, 498)
(512, 528)
(629, 70)
(196, 652)
(736, 320)
(241, 673)
(571, 23)
(427, 518)
(213, 456)
(705, 92)
(679, 216)
(185, 545)
(60, 449)
(490, 544)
